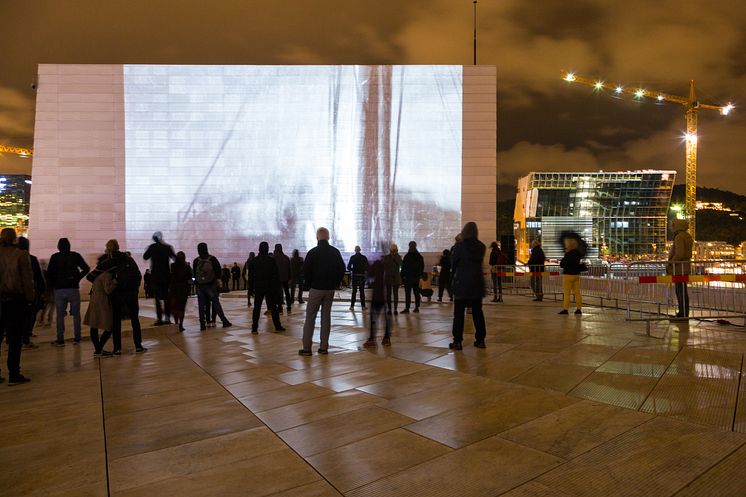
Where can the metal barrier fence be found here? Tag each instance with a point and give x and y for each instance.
(647, 290)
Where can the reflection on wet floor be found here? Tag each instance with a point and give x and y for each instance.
(547, 408)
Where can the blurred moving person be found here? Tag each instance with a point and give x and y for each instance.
(392, 265)
(377, 283)
(160, 255)
(444, 279)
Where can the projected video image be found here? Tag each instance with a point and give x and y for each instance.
(233, 155)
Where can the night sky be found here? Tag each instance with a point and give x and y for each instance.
(543, 123)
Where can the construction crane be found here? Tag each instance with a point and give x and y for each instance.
(692, 106)
(23, 152)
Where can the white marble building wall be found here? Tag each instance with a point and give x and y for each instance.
(479, 150)
(78, 164)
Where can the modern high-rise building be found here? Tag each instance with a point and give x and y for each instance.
(15, 193)
(619, 214)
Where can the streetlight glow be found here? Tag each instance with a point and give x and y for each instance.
(618, 89)
(570, 77)
(639, 93)
(598, 85)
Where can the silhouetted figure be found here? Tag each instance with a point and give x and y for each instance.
(17, 290)
(392, 265)
(264, 283)
(160, 255)
(283, 271)
(147, 283)
(66, 269)
(572, 266)
(468, 285)
(444, 278)
(247, 276)
(358, 266)
(323, 269)
(206, 269)
(181, 280)
(498, 261)
(236, 276)
(411, 270)
(39, 288)
(536, 262)
(296, 276)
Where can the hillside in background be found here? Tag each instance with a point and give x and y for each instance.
(712, 225)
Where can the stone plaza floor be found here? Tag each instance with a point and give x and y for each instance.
(554, 406)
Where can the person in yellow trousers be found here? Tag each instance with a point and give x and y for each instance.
(571, 268)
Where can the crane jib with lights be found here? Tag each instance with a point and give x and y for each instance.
(692, 106)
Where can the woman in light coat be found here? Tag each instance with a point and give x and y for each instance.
(99, 315)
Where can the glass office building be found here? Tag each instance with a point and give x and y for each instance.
(15, 193)
(620, 214)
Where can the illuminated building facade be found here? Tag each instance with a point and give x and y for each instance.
(15, 193)
(620, 214)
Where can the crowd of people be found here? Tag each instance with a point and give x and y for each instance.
(273, 279)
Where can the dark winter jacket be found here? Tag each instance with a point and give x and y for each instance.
(412, 268)
(117, 262)
(497, 258)
(283, 265)
(466, 267)
(570, 263)
(160, 256)
(263, 274)
(376, 282)
(358, 264)
(296, 269)
(537, 259)
(66, 268)
(392, 266)
(16, 278)
(445, 269)
(324, 267)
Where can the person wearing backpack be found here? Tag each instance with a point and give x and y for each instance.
(66, 269)
(124, 297)
(207, 272)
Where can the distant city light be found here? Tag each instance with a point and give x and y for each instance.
(27, 181)
(570, 77)
(618, 89)
(677, 207)
(660, 98)
(726, 110)
(599, 85)
(640, 93)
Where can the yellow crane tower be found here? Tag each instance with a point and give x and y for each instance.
(692, 106)
(23, 152)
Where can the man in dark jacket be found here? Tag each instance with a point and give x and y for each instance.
(236, 276)
(206, 270)
(160, 255)
(283, 271)
(66, 269)
(16, 293)
(411, 271)
(536, 262)
(39, 288)
(358, 265)
(264, 283)
(323, 269)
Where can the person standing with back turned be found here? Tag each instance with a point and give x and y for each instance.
(16, 293)
(411, 271)
(468, 285)
(358, 265)
(323, 269)
(66, 269)
(160, 255)
(679, 262)
(206, 269)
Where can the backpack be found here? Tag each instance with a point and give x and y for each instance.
(204, 273)
(127, 275)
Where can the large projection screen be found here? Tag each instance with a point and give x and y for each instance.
(234, 155)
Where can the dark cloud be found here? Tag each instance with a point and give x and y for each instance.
(543, 122)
